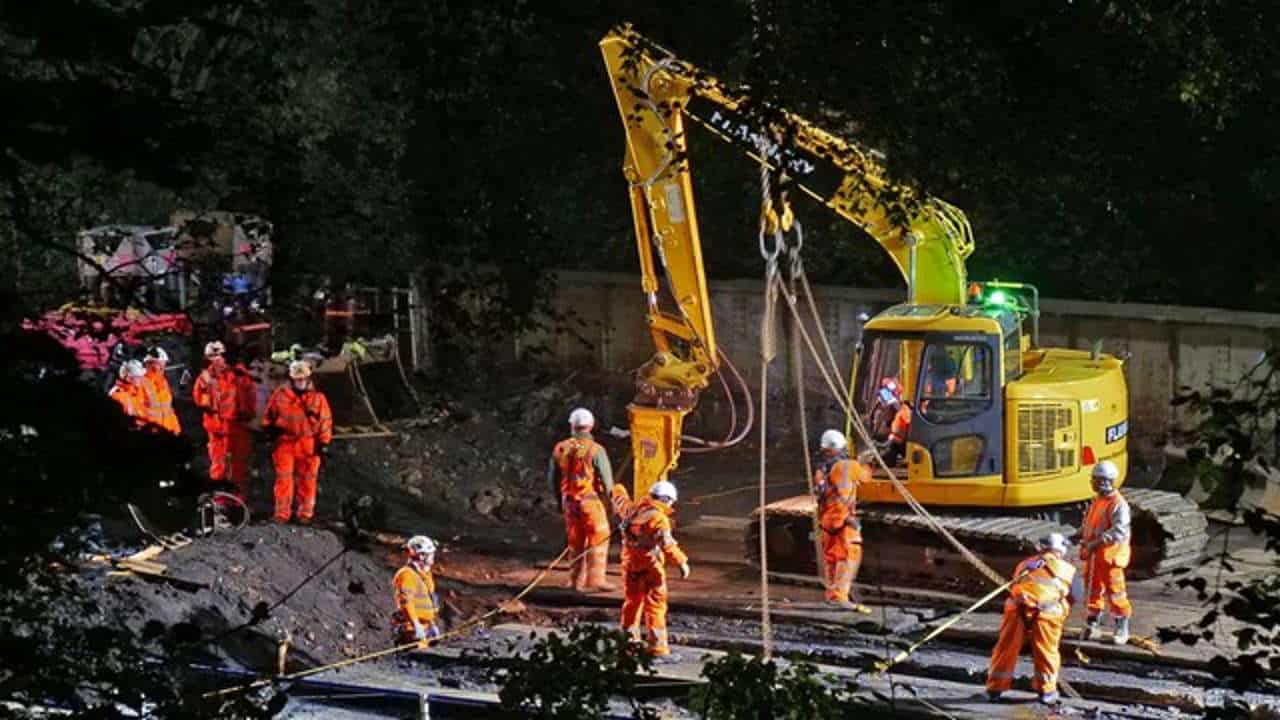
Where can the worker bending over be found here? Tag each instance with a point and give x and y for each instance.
(298, 416)
(579, 472)
(1104, 548)
(159, 397)
(1039, 602)
(417, 604)
(836, 484)
(221, 394)
(647, 547)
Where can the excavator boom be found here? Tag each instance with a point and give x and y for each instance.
(927, 238)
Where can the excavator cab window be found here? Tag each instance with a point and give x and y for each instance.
(888, 370)
(956, 382)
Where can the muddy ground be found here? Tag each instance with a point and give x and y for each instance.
(468, 468)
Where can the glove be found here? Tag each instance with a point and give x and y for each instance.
(684, 571)
(419, 632)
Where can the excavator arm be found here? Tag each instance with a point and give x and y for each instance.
(655, 92)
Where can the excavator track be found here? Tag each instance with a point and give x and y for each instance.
(901, 549)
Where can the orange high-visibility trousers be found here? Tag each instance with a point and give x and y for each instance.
(842, 556)
(1045, 633)
(587, 527)
(219, 456)
(297, 467)
(1107, 586)
(645, 599)
(229, 458)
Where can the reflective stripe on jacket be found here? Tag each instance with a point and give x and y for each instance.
(159, 405)
(647, 542)
(1047, 586)
(837, 486)
(1108, 521)
(576, 452)
(416, 594)
(300, 415)
(215, 393)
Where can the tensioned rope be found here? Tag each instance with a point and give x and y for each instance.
(773, 287)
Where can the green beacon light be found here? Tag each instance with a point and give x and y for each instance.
(998, 297)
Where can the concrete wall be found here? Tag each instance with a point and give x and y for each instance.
(1168, 347)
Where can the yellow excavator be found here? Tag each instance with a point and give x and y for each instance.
(996, 436)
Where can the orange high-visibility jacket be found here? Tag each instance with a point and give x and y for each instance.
(837, 488)
(1047, 588)
(1108, 521)
(575, 461)
(159, 405)
(300, 415)
(901, 424)
(647, 542)
(131, 398)
(416, 595)
(215, 393)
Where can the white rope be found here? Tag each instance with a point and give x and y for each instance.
(768, 350)
(870, 444)
(797, 363)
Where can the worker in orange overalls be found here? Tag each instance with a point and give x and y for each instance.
(218, 393)
(836, 484)
(298, 415)
(127, 390)
(1039, 602)
(159, 398)
(647, 546)
(1104, 548)
(417, 604)
(240, 439)
(579, 472)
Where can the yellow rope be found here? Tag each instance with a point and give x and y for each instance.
(421, 644)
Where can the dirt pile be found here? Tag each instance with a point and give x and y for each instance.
(469, 469)
(478, 460)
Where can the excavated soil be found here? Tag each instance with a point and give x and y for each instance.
(469, 471)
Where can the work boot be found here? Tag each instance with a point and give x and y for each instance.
(850, 606)
(597, 562)
(1122, 631)
(995, 695)
(1092, 631)
(1049, 698)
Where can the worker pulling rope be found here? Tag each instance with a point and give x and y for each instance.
(882, 666)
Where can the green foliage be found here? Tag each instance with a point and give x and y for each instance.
(1235, 441)
(738, 687)
(574, 676)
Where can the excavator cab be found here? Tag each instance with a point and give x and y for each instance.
(950, 383)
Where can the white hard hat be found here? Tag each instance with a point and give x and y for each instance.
(1106, 470)
(663, 490)
(833, 440)
(299, 369)
(157, 353)
(214, 348)
(1057, 542)
(420, 545)
(132, 369)
(582, 418)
